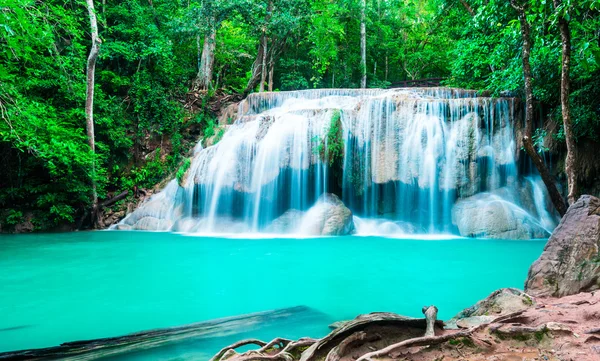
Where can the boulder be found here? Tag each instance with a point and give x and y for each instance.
(328, 217)
(491, 216)
(570, 262)
(287, 222)
(498, 303)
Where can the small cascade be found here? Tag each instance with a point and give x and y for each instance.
(541, 202)
(399, 160)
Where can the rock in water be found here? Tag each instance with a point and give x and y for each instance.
(328, 217)
(570, 262)
(489, 215)
(287, 222)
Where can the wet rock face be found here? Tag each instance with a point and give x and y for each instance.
(489, 215)
(328, 217)
(570, 262)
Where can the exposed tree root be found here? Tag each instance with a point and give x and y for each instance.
(251, 341)
(544, 331)
(279, 349)
(413, 342)
(340, 350)
(430, 313)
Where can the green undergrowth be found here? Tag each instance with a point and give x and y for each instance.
(182, 170)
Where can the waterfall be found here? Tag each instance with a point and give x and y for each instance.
(399, 159)
(541, 199)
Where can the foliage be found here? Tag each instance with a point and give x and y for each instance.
(150, 54)
(181, 171)
(485, 57)
(331, 148)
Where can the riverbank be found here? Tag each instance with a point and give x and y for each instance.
(541, 329)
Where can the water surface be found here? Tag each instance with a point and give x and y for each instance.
(64, 287)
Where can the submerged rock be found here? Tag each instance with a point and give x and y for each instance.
(570, 262)
(489, 215)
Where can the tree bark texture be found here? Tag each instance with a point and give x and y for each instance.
(89, 100)
(468, 7)
(263, 66)
(537, 160)
(207, 60)
(363, 45)
(565, 91)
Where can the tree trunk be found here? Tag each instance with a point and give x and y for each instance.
(271, 70)
(256, 67)
(363, 45)
(89, 100)
(468, 7)
(207, 60)
(565, 85)
(263, 66)
(386, 68)
(555, 196)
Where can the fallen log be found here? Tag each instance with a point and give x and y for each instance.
(113, 200)
(111, 346)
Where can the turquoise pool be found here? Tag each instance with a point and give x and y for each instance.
(71, 286)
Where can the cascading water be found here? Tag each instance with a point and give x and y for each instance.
(398, 159)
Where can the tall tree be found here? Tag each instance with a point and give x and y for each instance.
(363, 44)
(207, 58)
(210, 16)
(89, 101)
(555, 196)
(565, 92)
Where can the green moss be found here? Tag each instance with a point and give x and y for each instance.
(181, 171)
(219, 135)
(521, 337)
(467, 342)
(331, 148)
(527, 300)
(539, 335)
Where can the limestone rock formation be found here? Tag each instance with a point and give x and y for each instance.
(491, 216)
(570, 262)
(157, 213)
